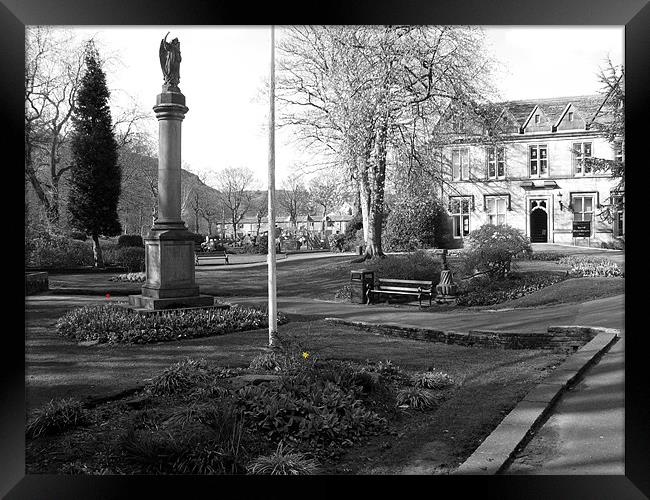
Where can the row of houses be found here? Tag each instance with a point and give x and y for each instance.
(323, 225)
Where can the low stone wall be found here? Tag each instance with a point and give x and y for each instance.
(557, 338)
(36, 282)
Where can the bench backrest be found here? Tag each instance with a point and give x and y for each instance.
(386, 282)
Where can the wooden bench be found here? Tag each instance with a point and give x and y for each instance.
(416, 288)
(213, 254)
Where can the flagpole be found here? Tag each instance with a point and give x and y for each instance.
(273, 323)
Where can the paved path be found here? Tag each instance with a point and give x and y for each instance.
(607, 312)
(585, 433)
(238, 261)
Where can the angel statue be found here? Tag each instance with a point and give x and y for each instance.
(170, 61)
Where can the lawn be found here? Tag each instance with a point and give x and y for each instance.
(320, 279)
(489, 383)
(569, 291)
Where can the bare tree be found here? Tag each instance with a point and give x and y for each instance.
(294, 197)
(235, 187)
(354, 90)
(53, 70)
(328, 191)
(209, 205)
(261, 208)
(612, 80)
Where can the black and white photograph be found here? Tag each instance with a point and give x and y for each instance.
(337, 249)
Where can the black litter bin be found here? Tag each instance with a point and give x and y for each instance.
(360, 249)
(360, 282)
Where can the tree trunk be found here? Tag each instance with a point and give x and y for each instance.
(97, 252)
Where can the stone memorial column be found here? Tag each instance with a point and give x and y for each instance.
(169, 246)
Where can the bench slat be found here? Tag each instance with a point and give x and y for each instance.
(424, 292)
(401, 289)
(386, 280)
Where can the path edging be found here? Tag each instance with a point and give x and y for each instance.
(517, 427)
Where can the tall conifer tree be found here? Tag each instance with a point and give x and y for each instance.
(95, 174)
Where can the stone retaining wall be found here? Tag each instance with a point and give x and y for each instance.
(557, 338)
(36, 282)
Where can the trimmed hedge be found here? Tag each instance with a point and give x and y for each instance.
(115, 325)
(130, 240)
(132, 258)
(418, 265)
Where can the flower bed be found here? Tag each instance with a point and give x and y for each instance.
(130, 277)
(482, 291)
(194, 418)
(591, 266)
(115, 324)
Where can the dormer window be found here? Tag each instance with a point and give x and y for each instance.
(536, 119)
(570, 116)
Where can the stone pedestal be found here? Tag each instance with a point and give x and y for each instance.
(169, 246)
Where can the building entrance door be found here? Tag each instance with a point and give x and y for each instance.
(538, 221)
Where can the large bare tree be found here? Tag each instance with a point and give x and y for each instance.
(235, 186)
(328, 190)
(353, 92)
(53, 71)
(294, 197)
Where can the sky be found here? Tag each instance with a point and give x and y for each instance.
(224, 69)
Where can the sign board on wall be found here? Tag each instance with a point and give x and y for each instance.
(582, 229)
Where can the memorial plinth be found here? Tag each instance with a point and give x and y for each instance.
(169, 246)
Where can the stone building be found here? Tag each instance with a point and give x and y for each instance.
(532, 176)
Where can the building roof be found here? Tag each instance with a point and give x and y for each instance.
(587, 105)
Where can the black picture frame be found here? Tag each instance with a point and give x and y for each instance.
(634, 14)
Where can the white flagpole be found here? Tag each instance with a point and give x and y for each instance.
(273, 318)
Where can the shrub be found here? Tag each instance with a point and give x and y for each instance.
(353, 227)
(206, 441)
(53, 250)
(130, 240)
(280, 361)
(306, 410)
(78, 235)
(197, 238)
(283, 462)
(179, 377)
(617, 244)
(108, 323)
(591, 266)
(414, 222)
(56, 416)
(491, 249)
(543, 256)
(344, 293)
(432, 380)
(418, 265)
(416, 398)
(338, 243)
(388, 371)
(132, 258)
